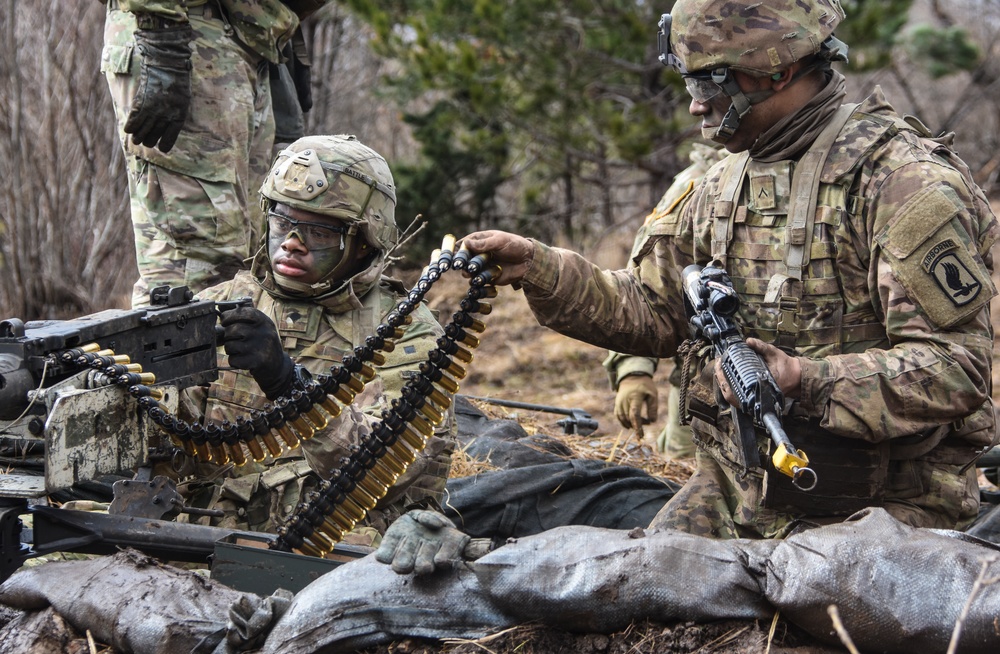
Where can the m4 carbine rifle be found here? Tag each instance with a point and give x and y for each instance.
(712, 304)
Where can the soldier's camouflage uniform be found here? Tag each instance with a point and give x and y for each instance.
(675, 441)
(194, 208)
(891, 321)
(317, 335)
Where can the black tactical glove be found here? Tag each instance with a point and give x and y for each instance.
(252, 343)
(423, 541)
(161, 102)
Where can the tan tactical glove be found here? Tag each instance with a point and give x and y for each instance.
(635, 394)
(424, 541)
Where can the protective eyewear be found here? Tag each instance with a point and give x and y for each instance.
(313, 235)
(702, 89)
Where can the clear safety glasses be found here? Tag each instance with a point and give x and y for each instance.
(702, 89)
(313, 235)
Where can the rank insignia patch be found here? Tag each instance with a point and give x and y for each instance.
(955, 279)
(762, 193)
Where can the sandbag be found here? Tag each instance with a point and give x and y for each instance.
(129, 601)
(897, 588)
(573, 578)
(590, 579)
(364, 603)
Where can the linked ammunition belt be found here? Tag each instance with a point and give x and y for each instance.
(383, 456)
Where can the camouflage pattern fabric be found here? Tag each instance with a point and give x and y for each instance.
(758, 37)
(261, 496)
(264, 26)
(891, 318)
(675, 440)
(194, 209)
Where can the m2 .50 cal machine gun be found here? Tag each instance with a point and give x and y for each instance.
(712, 304)
(79, 412)
(37, 354)
(71, 414)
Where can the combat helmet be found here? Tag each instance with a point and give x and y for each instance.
(340, 177)
(704, 40)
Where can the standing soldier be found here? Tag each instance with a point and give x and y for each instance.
(189, 81)
(859, 247)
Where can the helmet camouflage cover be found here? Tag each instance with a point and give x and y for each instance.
(337, 176)
(756, 37)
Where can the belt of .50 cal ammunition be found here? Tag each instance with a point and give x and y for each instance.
(374, 465)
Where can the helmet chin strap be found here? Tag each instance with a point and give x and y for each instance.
(741, 103)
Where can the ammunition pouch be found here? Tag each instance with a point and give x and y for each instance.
(851, 475)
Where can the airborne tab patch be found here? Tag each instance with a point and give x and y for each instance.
(928, 240)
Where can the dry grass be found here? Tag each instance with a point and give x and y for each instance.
(522, 361)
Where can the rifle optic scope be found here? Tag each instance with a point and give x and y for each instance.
(710, 288)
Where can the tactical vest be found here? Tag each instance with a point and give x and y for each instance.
(779, 230)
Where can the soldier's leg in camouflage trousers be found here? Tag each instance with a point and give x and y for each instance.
(702, 507)
(717, 503)
(946, 497)
(194, 209)
(675, 439)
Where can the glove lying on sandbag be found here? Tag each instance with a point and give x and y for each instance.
(364, 604)
(424, 541)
